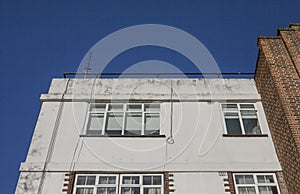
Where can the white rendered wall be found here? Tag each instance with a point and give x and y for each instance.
(198, 128)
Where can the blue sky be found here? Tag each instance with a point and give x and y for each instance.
(40, 40)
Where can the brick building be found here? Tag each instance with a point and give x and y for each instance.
(278, 82)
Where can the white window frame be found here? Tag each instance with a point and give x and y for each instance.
(96, 185)
(118, 185)
(255, 184)
(239, 112)
(141, 185)
(124, 112)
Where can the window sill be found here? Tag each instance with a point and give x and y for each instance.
(126, 136)
(245, 135)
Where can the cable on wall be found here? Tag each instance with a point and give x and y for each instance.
(53, 139)
(170, 139)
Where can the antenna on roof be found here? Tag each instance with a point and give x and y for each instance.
(87, 69)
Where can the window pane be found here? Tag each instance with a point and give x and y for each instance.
(106, 190)
(107, 180)
(229, 107)
(247, 106)
(131, 180)
(133, 124)
(114, 123)
(152, 190)
(156, 180)
(81, 180)
(244, 179)
(84, 191)
(103, 180)
(115, 107)
(246, 190)
(90, 180)
(111, 180)
(147, 180)
(232, 123)
(95, 124)
(135, 107)
(265, 179)
(101, 190)
(152, 124)
(98, 107)
(130, 190)
(111, 191)
(152, 107)
(268, 190)
(250, 122)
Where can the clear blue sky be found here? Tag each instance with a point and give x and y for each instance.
(40, 40)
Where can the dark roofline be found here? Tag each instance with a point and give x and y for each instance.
(159, 75)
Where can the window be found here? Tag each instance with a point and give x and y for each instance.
(123, 119)
(109, 184)
(241, 119)
(256, 183)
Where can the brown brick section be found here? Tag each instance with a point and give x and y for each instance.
(291, 39)
(168, 183)
(278, 83)
(281, 183)
(69, 182)
(229, 183)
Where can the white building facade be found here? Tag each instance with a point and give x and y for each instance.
(150, 136)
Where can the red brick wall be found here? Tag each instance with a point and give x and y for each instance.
(277, 80)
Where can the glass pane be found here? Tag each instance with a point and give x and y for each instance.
(247, 106)
(95, 124)
(90, 180)
(130, 190)
(152, 107)
(111, 191)
(103, 180)
(114, 123)
(134, 107)
(98, 107)
(106, 190)
(101, 190)
(107, 180)
(151, 180)
(244, 179)
(246, 190)
(81, 180)
(84, 191)
(232, 123)
(268, 190)
(152, 190)
(265, 179)
(250, 122)
(133, 124)
(229, 107)
(111, 180)
(131, 180)
(125, 190)
(147, 180)
(156, 180)
(115, 107)
(152, 124)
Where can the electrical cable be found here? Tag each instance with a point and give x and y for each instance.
(170, 139)
(53, 139)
